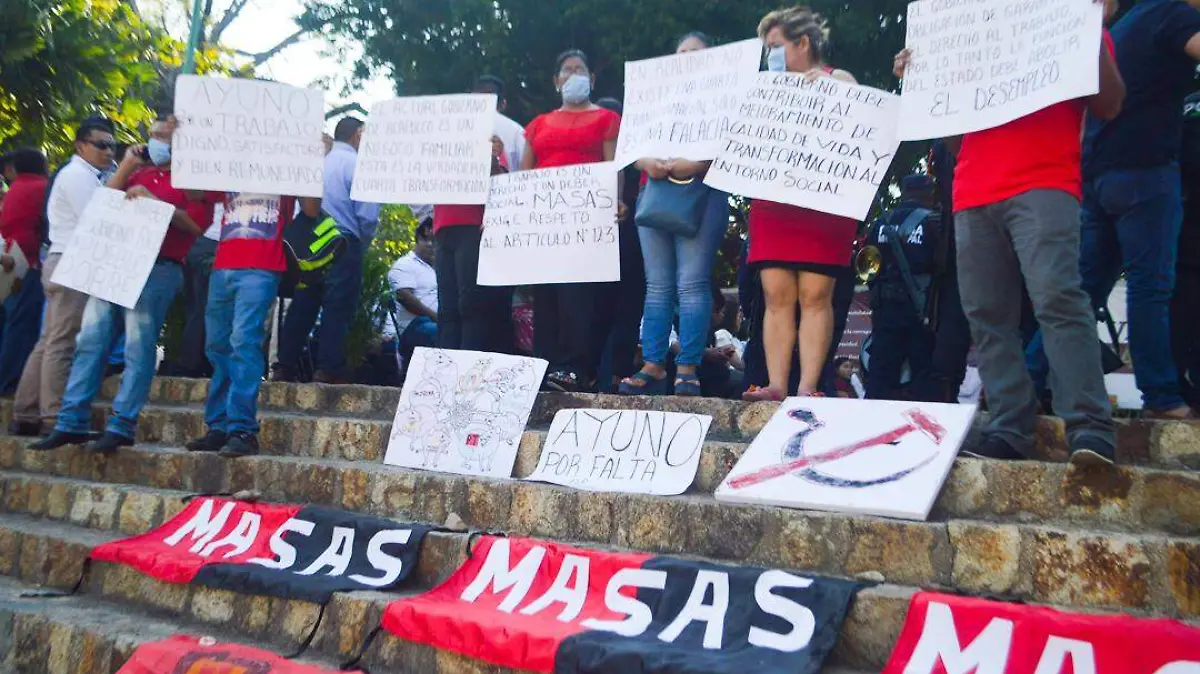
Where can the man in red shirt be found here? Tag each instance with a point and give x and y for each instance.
(1017, 191)
(20, 223)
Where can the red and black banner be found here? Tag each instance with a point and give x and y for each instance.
(539, 606)
(183, 654)
(946, 634)
(290, 552)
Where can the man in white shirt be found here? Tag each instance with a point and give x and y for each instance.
(509, 132)
(414, 284)
(39, 395)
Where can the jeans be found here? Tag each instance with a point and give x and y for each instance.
(238, 303)
(22, 325)
(679, 275)
(423, 331)
(196, 273)
(39, 393)
(471, 317)
(1131, 222)
(93, 347)
(1032, 237)
(335, 300)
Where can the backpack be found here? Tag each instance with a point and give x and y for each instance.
(310, 245)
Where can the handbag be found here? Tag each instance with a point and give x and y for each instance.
(673, 206)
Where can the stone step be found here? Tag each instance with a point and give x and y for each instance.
(1070, 566)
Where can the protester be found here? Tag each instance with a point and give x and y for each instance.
(144, 173)
(1185, 303)
(844, 382)
(678, 271)
(335, 300)
(414, 284)
(579, 132)
(721, 368)
(197, 270)
(1016, 201)
(20, 225)
(1132, 197)
(510, 133)
(39, 394)
(798, 252)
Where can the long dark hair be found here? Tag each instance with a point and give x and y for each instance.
(569, 54)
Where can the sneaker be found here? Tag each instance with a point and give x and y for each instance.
(58, 439)
(1092, 450)
(992, 447)
(213, 442)
(240, 444)
(110, 443)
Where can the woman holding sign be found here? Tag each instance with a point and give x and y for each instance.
(579, 132)
(798, 252)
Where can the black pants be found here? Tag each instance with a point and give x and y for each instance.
(564, 328)
(898, 337)
(197, 270)
(471, 317)
(951, 344)
(619, 309)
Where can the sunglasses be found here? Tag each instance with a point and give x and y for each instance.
(102, 144)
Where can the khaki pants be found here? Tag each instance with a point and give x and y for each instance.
(39, 395)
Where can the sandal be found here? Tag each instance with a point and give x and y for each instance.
(758, 394)
(650, 386)
(688, 386)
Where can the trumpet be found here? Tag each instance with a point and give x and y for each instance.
(867, 263)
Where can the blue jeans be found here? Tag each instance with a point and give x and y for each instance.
(679, 274)
(422, 331)
(335, 300)
(22, 327)
(1131, 222)
(94, 345)
(238, 303)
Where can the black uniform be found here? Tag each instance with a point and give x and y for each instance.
(1185, 303)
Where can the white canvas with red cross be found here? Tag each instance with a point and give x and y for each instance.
(863, 457)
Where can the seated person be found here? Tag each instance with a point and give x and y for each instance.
(414, 283)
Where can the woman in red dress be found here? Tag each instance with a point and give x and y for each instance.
(797, 252)
(579, 132)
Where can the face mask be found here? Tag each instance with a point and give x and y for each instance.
(577, 89)
(160, 152)
(777, 59)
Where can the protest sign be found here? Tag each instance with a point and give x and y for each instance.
(623, 451)
(248, 136)
(822, 144)
(680, 105)
(114, 247)
(427, 150)
(555, 225)
(981, 64)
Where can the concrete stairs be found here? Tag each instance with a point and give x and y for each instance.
(1040, 532)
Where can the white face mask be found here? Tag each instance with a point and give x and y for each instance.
(577, 89)
(777, 59)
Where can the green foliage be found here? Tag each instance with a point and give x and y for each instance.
(396, 235)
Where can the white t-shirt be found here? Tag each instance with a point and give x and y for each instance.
(73, 189)
(513, 137)
(412, 273)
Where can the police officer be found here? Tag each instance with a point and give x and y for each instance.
(907, 238)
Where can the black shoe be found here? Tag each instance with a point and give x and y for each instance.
(239, 445)
(992, 447)
(1092, 450)
(58, 439)
(109, 443)
(213, 442)
(25, 429)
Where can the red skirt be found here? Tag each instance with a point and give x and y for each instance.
(782, 235)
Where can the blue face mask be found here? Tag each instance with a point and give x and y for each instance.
(777, 59)
(577, 89)
(160, 152)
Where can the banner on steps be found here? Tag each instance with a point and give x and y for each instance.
(183, 654)
(540, 606)
(285, 551)
(950, 634)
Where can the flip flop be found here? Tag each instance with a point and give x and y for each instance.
(688, 386)
(650, 386)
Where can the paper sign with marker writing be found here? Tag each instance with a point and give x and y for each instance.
(822, 144)
(114, 247)
(427, 150)
(555, 225)
(636, 452)
(248, 136)
(980, 64)
(681, 105)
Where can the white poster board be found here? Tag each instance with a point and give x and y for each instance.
(859, 457)
(680, 105)
(464, 412)
(822, 144)
(555, 225)
(114, 247)
(427, 150)
(248, 136)
(627, 451)
(20, 269)
(978, 65)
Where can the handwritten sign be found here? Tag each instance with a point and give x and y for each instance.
(556, 225)
(681, 105)
(983, 63)
(623, 451)
(427, 150)
(114, 247)
(822, 144)
(248, 136)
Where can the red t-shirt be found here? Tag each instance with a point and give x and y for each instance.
(21, 217)
(457, 216)
(158, 181)
(564, 138)
(252, 232)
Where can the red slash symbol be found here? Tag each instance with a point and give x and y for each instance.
(918, 421)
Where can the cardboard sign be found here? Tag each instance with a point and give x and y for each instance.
(464, 412)
(427, 150)
(623, 451)
(248, 136)
(978, 65)
(822, 144)
(555, 225)
(680, 105)
(853, 456)
(114, 247)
